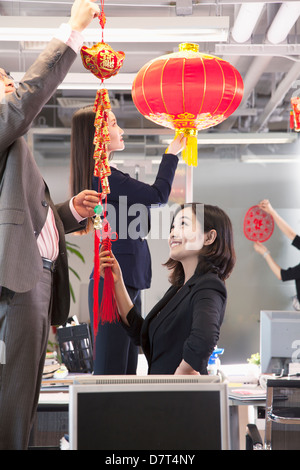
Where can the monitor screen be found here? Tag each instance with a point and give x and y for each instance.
(138, 414)
(279, 340)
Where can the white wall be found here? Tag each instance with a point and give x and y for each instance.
(235, 187)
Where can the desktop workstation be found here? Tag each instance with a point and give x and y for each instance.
(280, 342)
(274, 405)
(89, 406)
(84, 406)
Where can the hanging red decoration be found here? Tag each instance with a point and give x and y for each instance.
(103, 236)
(187, 91)
(258, 225)
(103, 62)
(295, 114)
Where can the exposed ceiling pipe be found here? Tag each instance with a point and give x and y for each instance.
(255, 71)
(246, 21)
(278, 96)
(283, 22)
(244, 25)
(184, 7)
(242, 30)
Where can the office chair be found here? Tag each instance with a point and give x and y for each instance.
(282, 418)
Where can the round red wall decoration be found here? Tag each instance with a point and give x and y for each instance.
(258, 225)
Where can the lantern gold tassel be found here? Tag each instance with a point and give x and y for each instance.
(190, 152)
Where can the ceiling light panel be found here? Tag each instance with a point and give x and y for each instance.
(174, 29)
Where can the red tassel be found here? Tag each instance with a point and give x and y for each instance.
(291, 120)
(108, 312)
(96, 281)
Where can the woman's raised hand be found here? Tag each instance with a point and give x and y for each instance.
(107, 260)
(177, 145)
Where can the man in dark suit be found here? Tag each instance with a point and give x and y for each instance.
(34, 281)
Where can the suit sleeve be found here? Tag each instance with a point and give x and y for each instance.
(35, 89)
(69, 222)
(208, 306)
(121, 184)
(290, 274)
(296, 242)
(135, 326)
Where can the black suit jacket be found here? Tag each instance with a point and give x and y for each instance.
(184, 324)
(293, 273)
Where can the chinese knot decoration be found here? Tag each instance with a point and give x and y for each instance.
(103, 62)
(187, 91)
(258, 225)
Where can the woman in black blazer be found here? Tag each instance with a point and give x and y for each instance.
(114, 352)
(181, 331)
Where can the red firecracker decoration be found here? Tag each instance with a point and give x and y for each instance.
(103, 62)
(187, 91)
(258, 225)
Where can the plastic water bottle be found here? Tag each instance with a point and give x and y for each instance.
(214, 362)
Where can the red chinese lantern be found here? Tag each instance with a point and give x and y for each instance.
(187, 91)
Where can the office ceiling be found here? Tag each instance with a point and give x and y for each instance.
(265, 49)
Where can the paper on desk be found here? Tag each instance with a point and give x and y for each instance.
(247, 393)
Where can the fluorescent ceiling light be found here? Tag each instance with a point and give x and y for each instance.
(139, 29)
(88, 81)
(243, 139)
(270, 159)
(158, 162)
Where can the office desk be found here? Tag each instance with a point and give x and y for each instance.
(52, 421)
(50, 428)
(242, 412)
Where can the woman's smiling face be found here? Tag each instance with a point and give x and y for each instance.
(186, 236)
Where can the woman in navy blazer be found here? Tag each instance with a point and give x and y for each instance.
(181, 331)
(114, 352)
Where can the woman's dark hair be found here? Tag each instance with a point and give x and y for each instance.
(219, 257)
(82, 150)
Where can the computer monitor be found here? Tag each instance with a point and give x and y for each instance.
(279, 340)
(149, 413)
